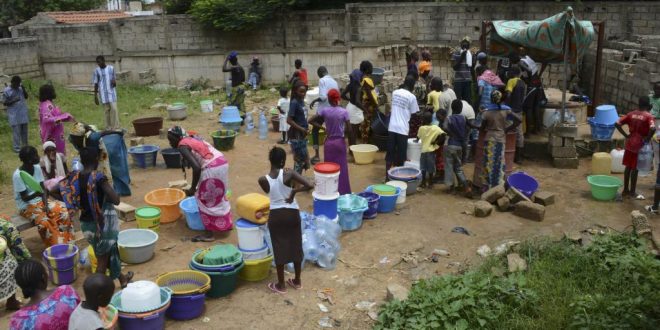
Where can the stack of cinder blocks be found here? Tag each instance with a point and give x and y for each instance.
(561, 145)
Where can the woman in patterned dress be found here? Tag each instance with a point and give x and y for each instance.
(12, 251)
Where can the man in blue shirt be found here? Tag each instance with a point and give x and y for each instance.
(17, 112)
(104, 91)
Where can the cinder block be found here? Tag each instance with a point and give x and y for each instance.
(563, 152)
(572, 162)
(126, 212)
(529, 210)
(544, 198)
(565, 130)
(136, 141)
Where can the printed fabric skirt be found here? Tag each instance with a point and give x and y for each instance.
(286, 235)
(214, 208)
(104, 240)
(492, 174)
(300, 155)
(7, 282)
(54, 227)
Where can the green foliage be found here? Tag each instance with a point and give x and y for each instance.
(14, 12)
(236, 15)
(177, 6)
(613, 284)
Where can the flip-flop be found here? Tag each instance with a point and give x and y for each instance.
(650, 209)
(273, 287)
(200, 238)
(640, 197)
(293, 285)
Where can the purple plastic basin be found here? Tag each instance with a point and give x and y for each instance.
(154, 321)
(372, 202)
(186, 307)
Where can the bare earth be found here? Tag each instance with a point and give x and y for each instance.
(423, 223)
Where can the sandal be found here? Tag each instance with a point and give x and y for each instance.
(273, 287)
(640, 197)
(650, 209)
(293, 285)
(201, 238)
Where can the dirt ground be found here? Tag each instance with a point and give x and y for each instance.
(371, 255)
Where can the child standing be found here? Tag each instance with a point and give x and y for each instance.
(433, 98)
(458, 128)
(98, 292)
(284, 218)
(641, 127)
(283, 108)
(297, 119)
(432, 138)
(515, 95)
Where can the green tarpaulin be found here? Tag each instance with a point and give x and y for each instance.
(543, 40)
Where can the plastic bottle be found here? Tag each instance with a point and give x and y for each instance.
(76, 165)
(228, 87)
(263, 126)
(249, 124)
(645, 160)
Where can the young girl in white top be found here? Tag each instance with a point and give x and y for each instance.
(284, 218)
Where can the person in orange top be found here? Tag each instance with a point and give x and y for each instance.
(299, 74)
(641, 126)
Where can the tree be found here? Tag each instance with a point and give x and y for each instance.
(235, 15)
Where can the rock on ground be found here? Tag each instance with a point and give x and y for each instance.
(516, 263)
(503, 204)
(529, 210)
(544, 198)
(493, 194)
(482, 209)
(396, 292)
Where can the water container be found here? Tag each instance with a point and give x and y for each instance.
(601, 163)
(140, 295)
(645, 160)
(617, 161)
(263, 126)
(228, 87)
(310, 245)
(249, 124)
(606, 115)
(414, 151)
(76, 165)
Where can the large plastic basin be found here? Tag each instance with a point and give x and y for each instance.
(364, 153)
(604, 187)
(167, 199)
(136, 245)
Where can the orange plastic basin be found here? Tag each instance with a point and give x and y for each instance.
(167, 199)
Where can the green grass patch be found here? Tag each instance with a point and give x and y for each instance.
(612, 284)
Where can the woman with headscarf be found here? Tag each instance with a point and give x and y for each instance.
(368, 101)
(111, 150)
(497, 120)
(210, 180)
(334, 149)
(50, 217)
(53, 165)
(12, 252)
(51, 118)
(89, 191)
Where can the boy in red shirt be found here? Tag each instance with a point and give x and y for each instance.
(641, 127)
(300, 73)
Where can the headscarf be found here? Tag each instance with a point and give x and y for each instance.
(496, 97)
(334, 97)
(177, 131)
(424, 66)
(491, 78)
(233, 54)
(49, 144)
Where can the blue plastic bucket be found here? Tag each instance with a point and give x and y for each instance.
(326, 206)
(189, 209)
(606, 115)
(600, 132)
(230, 114)
(351, 209)
(386, 204)
(144, 156)
(186, 307)
(372, 204)
(523, 182)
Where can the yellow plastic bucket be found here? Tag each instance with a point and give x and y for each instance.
(256, 270)
(148, 217)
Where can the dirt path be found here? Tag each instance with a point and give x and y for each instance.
(423, 223)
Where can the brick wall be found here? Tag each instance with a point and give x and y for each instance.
(20, 57)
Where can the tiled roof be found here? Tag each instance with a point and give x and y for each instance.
(83, 17)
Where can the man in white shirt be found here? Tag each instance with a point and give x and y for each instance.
(446, 98)
(404, 104)
(326, 83)
(104, 90)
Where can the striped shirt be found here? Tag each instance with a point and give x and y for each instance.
(103, 77)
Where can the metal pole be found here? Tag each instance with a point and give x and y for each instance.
(599, 61)
(566, 64)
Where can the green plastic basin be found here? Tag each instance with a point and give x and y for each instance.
(604, 187)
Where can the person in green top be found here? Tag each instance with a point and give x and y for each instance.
(12, 251)
(655, 111)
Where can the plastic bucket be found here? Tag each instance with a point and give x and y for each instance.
(172, 157)
(523, 183)
(167, 199)
(250, 236)
(326, 179)
(144, 156)
(206, 105)
(191, 212)
(606, 115)
(232, 126)
(325, 205)
(351, 208)
(414, 151)
(61, 261)
(601, 132)
(224, 139)
(386, 204)
(604, 187)
(401, 185)
(148, 218)
(255, 254)
(177, 111)
(364, 153)
(136, 245)
(372, 204)
(154, 320)
(186, 307)
(223, 283)
(230, 114)
(256, 270)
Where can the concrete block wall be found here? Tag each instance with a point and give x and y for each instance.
(20, 56)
